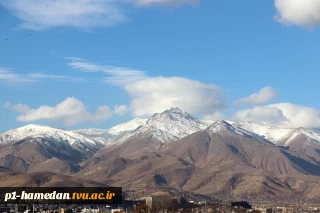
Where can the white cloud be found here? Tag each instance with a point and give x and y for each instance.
(103, 113)
(9, 76)
(80, 64)
(121, 109)
(305, 13)
(215, 116)
(150, 95)
(166, 2)
(114, 75)
(39, 76)
(153, 95)
(71, 111)
(281, 114)
(265, 115)
(83, 14)
(16, 107)
(264, 96)
(6, 105)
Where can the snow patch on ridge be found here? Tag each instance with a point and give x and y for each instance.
(38, 131)
(273, 134)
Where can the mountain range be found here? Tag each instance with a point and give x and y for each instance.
(171, 151)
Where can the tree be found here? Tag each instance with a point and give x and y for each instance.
(141, 209)
(161, 203)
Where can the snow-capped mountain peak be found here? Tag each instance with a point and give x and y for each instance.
(294, 133)
(273, 134)
(270, 133)
(127, 126)
(220, 125)
(46, 132)
(174, 114)
(170, 125)
(225, 125)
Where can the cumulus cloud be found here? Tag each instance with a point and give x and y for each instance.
(70, 112)
(305, 13)
(264, 96)
(266, 115)
(121, 109)
(281, 114)
(152, 95)
(16, 107)
(103, 113)
(215, 116)
(84, 14)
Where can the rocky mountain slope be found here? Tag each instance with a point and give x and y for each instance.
(173, 150)
(222, 160)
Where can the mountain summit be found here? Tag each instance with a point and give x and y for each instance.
(46, 132)
(168, 126)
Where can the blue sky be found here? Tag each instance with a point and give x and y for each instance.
(99, 63)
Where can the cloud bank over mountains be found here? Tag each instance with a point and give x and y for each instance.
(161, 93)
(149, 95)
(281, 114)
(70, 112)
(265, 95)
(156, 94)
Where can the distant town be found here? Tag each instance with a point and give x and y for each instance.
(160, 204)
